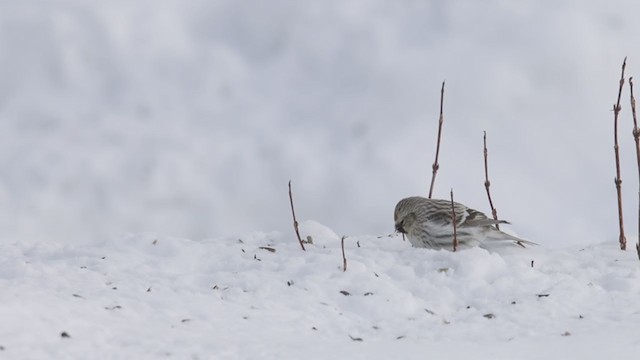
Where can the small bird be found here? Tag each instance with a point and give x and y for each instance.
(428, 224)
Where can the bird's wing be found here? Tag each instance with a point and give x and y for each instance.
(476, 218)
(440, 216)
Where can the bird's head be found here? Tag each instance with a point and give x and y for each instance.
(404, 215)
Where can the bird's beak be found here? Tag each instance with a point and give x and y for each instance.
(400, 229)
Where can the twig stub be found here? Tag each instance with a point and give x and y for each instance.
(295, 222)
(453, 221)
(344, 258)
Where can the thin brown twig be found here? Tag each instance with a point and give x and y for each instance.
(487, 183)
(295, 222)
(453, 221)
(344, 258)
(636, 137)
(618, 180)
(435, 165)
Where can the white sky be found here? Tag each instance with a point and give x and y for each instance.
(189, 117)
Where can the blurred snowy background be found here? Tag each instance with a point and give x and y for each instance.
(189, 117)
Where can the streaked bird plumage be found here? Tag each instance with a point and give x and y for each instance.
(428, 224)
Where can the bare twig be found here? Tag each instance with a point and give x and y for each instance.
(618, 180)
(453, 221)
(487, 183)
(295, 222)
(435, 165)
(636, 137)
(344, 258)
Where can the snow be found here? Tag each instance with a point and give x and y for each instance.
(144, 144)
(260, 296)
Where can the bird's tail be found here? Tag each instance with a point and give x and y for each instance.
(498, 235)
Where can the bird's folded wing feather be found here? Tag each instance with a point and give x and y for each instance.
(484, 222)
(476, 218)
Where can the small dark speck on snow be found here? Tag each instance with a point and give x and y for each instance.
(400, 337)
(368, 293)
(64, 334)
(355, 338)
(566, 333)
(489, 316)
(344, 292)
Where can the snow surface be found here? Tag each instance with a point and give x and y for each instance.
(260, 296)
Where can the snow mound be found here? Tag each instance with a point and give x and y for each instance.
(313, 231)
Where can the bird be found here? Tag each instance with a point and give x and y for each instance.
(428, 224)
